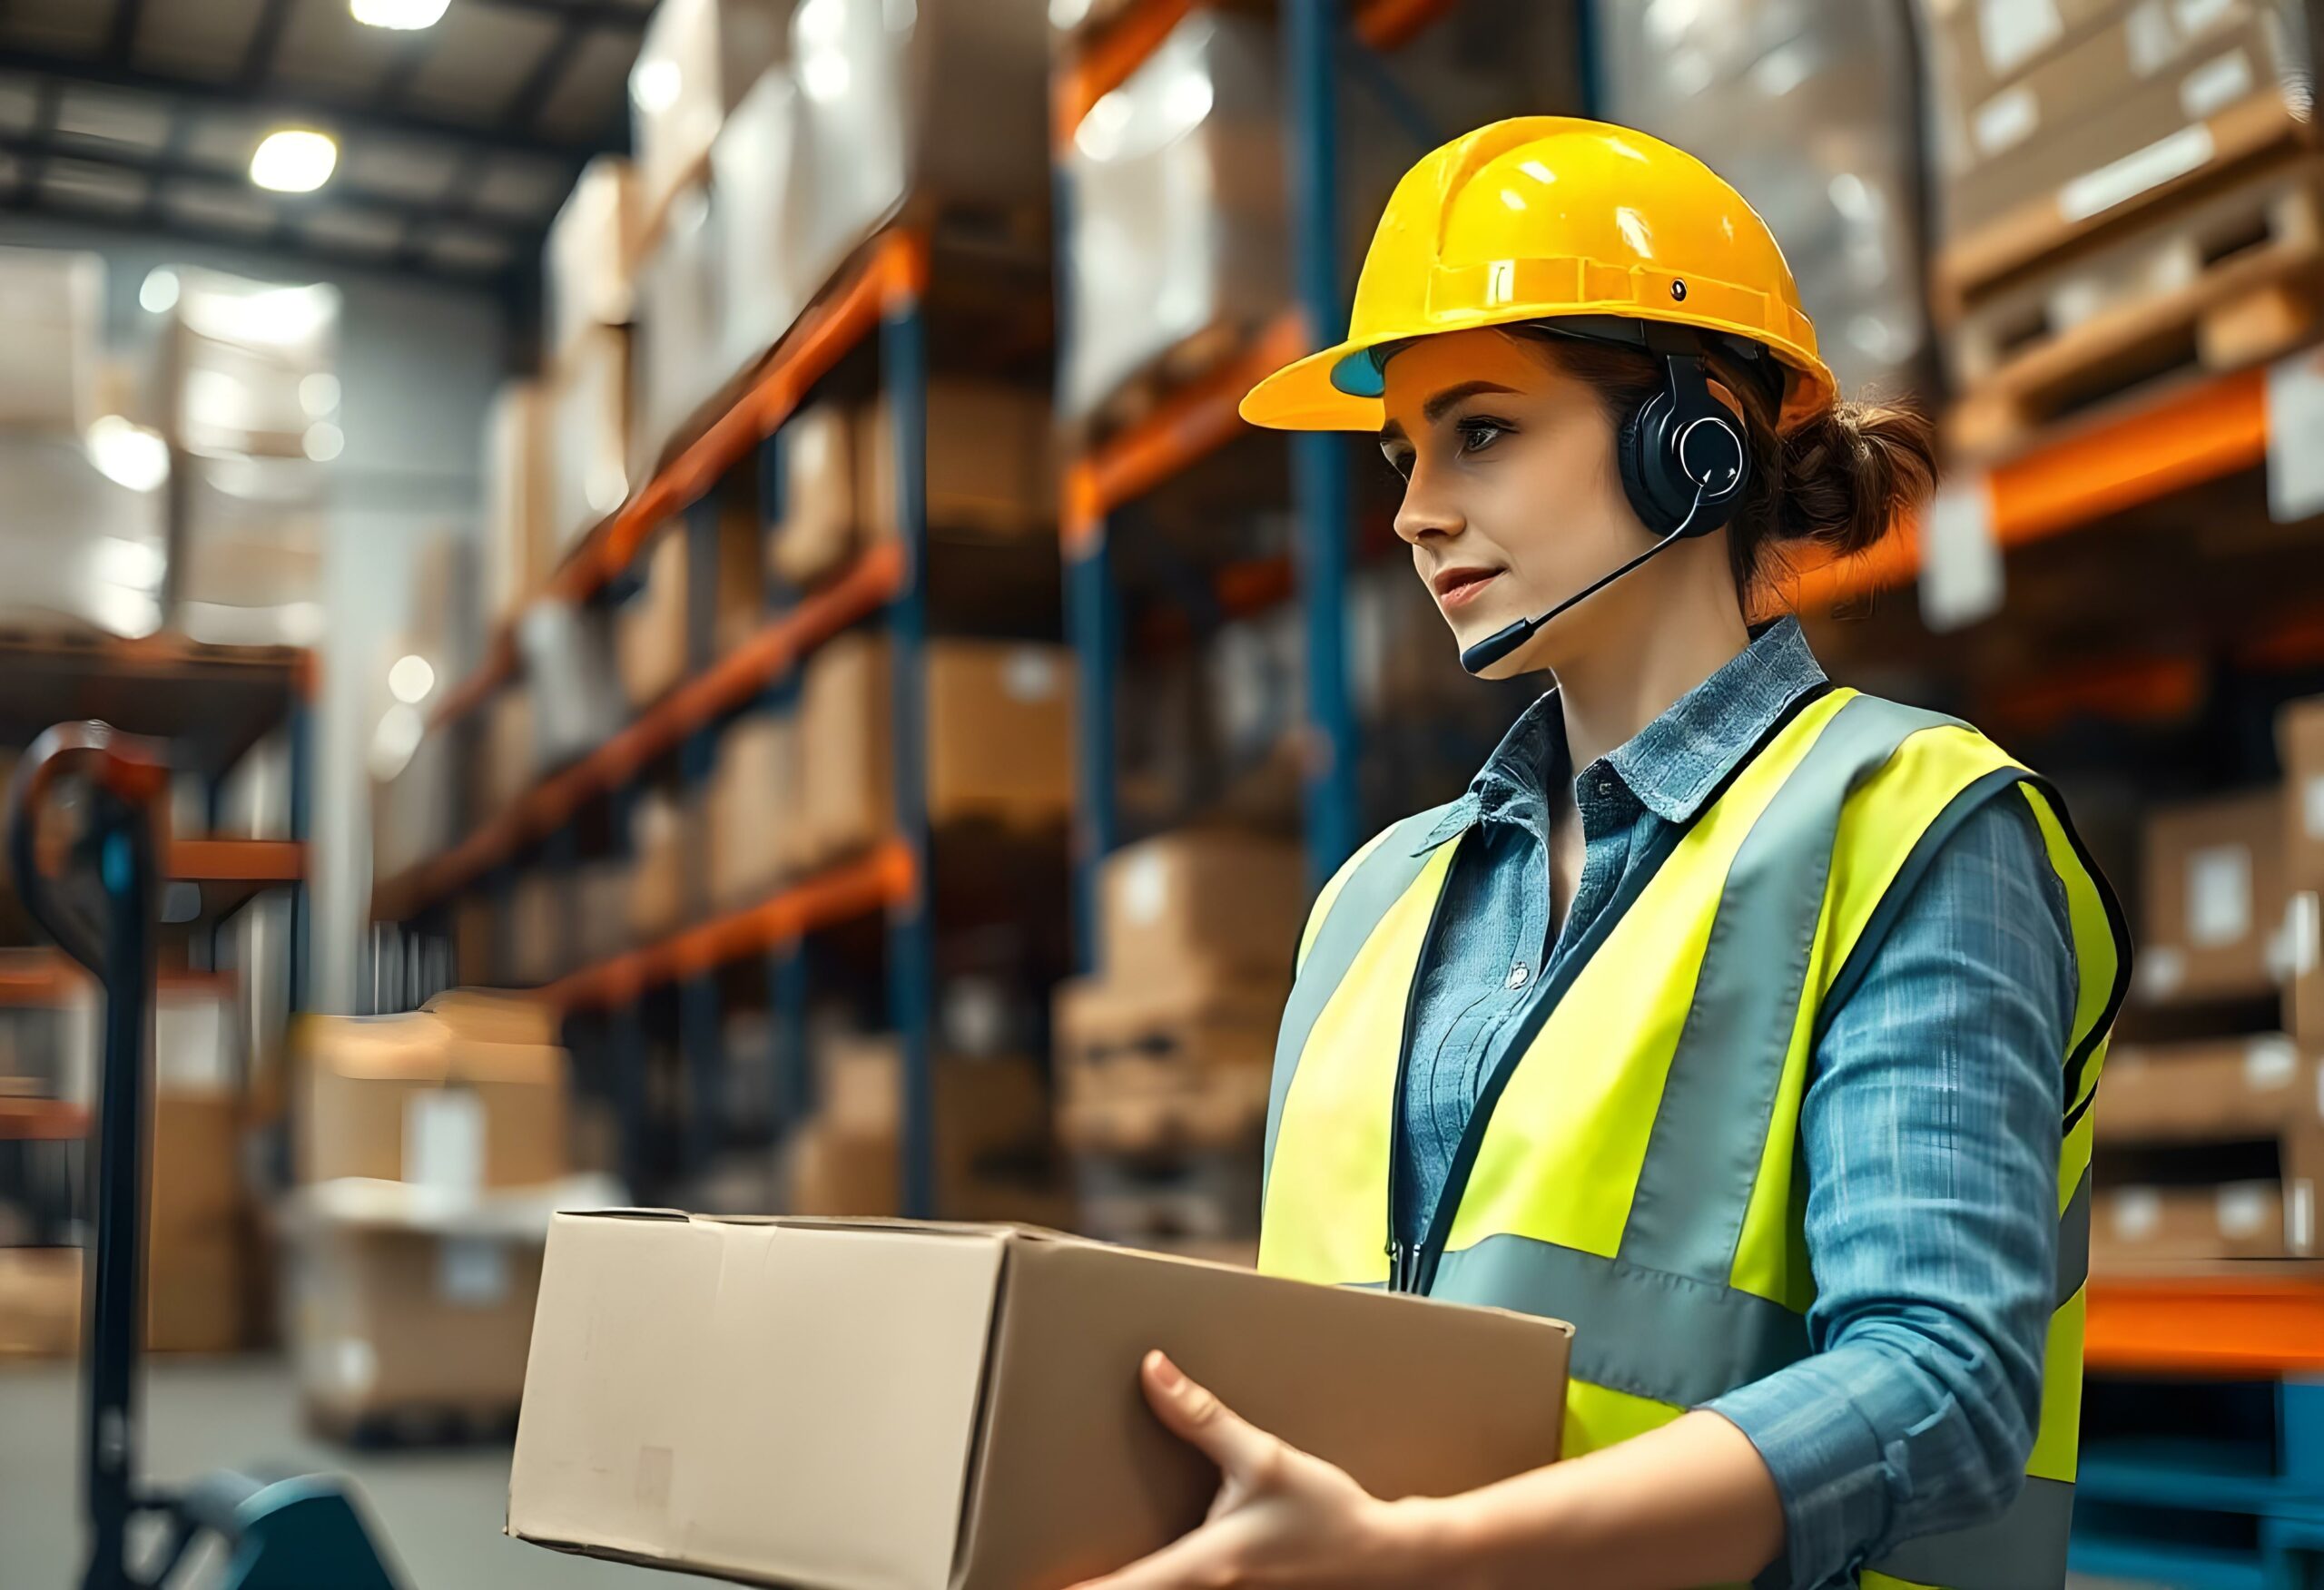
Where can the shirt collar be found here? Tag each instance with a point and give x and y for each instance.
(1672, 764)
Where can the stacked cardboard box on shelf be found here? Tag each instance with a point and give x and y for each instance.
(433, 1149)
(2125, 186)
(1163, 1054)
(756, 837)
(991, 1123)
(1000, 724)
(2212, 1146)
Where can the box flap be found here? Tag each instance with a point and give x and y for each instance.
(774, 1401)
(1408, 1395)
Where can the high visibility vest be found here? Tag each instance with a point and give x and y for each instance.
(1631, 1165)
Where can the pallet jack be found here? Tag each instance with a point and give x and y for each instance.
(288, 1533)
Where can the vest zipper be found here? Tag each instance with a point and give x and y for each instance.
(1421, 1263)
(1402, 1258)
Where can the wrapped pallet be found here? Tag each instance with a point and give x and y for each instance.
(252, 541)
(590, 257)
(677, 358)
(588, 435)
(53, 303)
(247, 368)
(1808, 110)
(82, 548)
(695, 62)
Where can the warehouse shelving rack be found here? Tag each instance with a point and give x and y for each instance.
(210, 704)
(879, 296)
(1198, 417)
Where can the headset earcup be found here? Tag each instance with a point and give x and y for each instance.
(1636, 445)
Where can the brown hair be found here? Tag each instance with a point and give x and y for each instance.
(1834, 482)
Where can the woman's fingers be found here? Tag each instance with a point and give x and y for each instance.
(1242, 1450)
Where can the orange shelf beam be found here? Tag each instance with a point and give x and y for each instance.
(1193, 421)
(2215, 428)
(1385, 24)
(43, 977)
(891, 272)
(873, 581)
(230, 860)
(41, 1121)
(1105, 60)
(2268, 1323)
(857, 889)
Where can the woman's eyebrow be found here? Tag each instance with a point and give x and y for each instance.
(1437, 406)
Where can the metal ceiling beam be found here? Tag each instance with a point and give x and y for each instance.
(336, 258)
(265, 43)
(585, 12)
(192, 92)
(121, 36)
(163, 166)
(525, 105)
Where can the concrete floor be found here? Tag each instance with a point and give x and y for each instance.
(441, 1511)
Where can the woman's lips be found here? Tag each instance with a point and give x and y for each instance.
(1458, 587)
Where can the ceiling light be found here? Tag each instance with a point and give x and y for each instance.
(655, 86)
(412, 678)
(294, 160)
(128, 455)
(403, 16)
(158, 293)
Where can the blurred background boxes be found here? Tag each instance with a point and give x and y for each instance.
(53, 303)
(695, 62)
(2214, 881)
(589, 258)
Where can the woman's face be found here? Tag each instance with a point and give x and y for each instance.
(1512, 500)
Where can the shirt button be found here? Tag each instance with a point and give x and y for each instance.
(1517, 976)
(1605, 785)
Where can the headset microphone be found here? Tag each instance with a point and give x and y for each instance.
(1476, 659)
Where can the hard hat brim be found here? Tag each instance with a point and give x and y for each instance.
(1308, 393)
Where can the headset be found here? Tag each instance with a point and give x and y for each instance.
(1682, 460)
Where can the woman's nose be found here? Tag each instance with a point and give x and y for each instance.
(1426, 511)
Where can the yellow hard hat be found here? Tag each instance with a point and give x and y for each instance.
(1542, 218)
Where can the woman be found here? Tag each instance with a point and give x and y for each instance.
(1749, 1023)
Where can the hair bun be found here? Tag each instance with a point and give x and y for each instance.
(1852, 471)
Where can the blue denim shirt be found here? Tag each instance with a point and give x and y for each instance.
(1929, 1128)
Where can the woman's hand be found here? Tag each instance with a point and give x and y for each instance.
(1281, 1517)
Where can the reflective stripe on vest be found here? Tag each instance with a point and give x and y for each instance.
(1639, 1179)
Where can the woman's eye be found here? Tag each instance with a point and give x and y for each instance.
(1399, 464)
(1477, 435)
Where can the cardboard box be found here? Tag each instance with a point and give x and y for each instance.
(1176, 904)
(386, 1320)
(1977, 45)
(422, 1097)
(992, 1118)
(991, 467)
(1000, 726)
(2221, 1088)
(2215, 899)
(850, 1407)
(1145, 1066)
(818, 530)
(540, 910)
(519, 552)
(664, 883)
(695, 62)
(590, 255)
(510, 758)
(476, 948)
(2134, 1226)
(2048, 100)
(588, 434)
(566, 651)
(600, 909)
(2218, 105)
(40, 1302)
(650, 628)
(728, 576)
(2299, 745)
(754, 809)
(2304, 992)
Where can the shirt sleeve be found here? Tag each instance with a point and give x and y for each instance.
(1930, 1131)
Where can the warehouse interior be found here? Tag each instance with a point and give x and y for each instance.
(716, 643)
